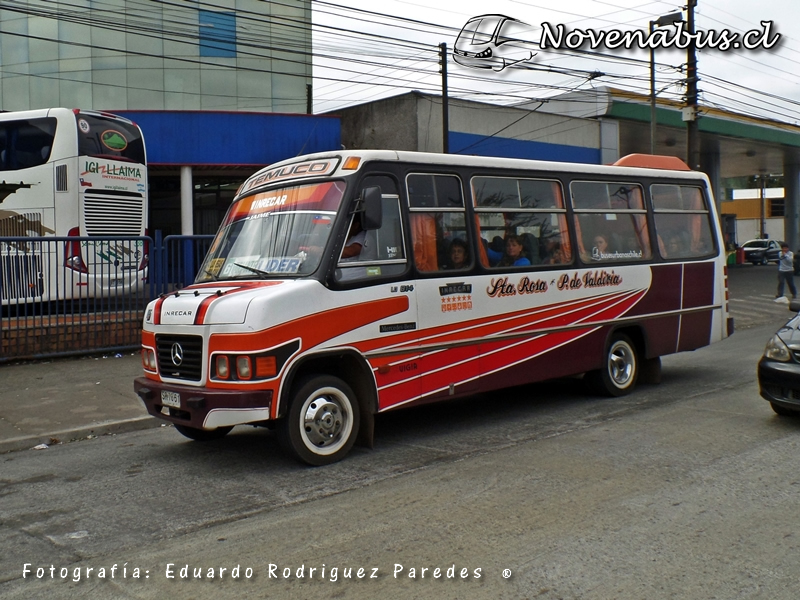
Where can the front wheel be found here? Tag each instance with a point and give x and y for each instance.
(203, 435)
(322, 423)
(621, 369)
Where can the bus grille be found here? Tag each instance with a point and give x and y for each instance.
(106, 215)
(21, 276)
(187, 350)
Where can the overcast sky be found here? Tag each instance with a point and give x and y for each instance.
(410, 63)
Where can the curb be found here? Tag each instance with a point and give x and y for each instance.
(79, 433)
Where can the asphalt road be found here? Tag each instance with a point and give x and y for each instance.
(753, 290)
(687, 489)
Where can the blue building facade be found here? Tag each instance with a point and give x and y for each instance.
(198, 159)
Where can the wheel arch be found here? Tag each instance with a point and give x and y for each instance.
(349, 366)
(636, 333)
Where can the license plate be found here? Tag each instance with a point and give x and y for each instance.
(172, 399)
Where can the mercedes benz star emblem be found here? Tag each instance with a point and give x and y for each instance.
(177, 354)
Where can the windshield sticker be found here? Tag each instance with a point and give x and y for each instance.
(214, 265)
(282, 265)
(114, 140)
(249, 265)
(83, 125)
(268, 202)
(314, 197)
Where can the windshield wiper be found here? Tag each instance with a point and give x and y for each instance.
(210, 274)
(264, 274)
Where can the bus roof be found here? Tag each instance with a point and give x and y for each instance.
(348, 162)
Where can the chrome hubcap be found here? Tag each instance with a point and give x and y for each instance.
(326, 422)
(621, 364)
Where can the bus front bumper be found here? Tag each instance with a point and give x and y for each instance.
(201, 408)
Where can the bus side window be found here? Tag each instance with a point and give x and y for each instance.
(383, 251)
(530, 212)
(438, 223)
(683, 221)
(610, 221)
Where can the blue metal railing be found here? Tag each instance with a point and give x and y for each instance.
(77, 295)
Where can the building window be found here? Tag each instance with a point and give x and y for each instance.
(217, 33)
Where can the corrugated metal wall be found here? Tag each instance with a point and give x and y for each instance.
(232, 138)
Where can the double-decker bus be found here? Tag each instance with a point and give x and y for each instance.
(70, 173)
(472, 274)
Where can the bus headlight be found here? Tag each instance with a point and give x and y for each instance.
(244, 368)
(777, 350)
(149, 359)
(223, 367)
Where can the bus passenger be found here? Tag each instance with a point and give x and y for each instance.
(600, 248)
(555, 254)
(674, 247)
(513, 256)
(458, 256)
(356, 238)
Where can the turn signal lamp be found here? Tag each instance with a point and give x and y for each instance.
(351, 164)
(266, 366)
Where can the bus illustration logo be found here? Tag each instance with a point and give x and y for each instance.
(114, 140)
(495, 42)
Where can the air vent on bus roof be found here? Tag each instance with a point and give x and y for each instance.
(653, 161)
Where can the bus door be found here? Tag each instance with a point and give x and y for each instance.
(448, 362)
(369, 278)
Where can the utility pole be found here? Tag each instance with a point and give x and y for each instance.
(763, 196)
(309, 99)
(690, 111)
(445, 107)
(669, 19)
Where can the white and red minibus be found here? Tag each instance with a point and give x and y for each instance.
(473, 274)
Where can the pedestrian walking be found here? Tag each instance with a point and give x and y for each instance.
(786, 272)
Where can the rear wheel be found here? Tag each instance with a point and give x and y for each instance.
(618, 376)
(322, 423)
(203, 435)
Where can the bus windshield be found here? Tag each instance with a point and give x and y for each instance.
(276, 233)
(114, 139)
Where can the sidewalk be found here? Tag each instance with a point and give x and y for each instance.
(59, 400)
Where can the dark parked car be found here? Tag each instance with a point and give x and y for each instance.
(760, 252)
(779, 367)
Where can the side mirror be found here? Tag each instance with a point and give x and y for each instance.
(371, 208)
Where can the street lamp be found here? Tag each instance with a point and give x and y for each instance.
(669, 19)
